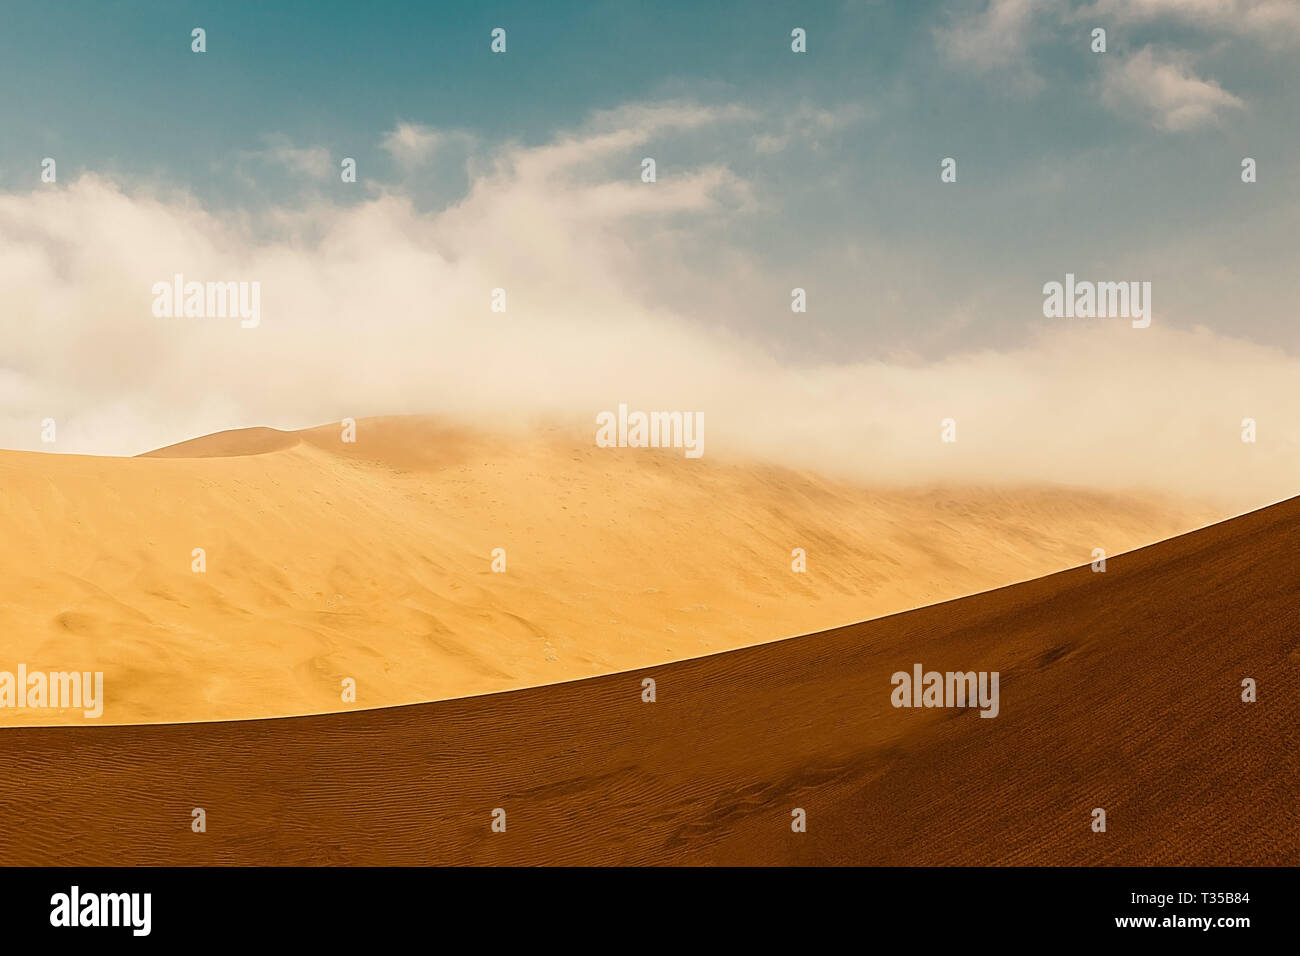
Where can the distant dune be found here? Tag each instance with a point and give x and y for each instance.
(230, 444)
(1119, 691)
(327, 560)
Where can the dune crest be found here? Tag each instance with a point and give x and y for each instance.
(326, 561)
(234, 443)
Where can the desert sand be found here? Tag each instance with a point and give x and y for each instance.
(372, 561)
(1119, 691)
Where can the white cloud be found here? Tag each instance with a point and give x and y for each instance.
(994, 40)
(374, 307)
(312, 163)
(412, 144)
(1275, 22)
(997, 40)
(1162, 88)
(806, 125)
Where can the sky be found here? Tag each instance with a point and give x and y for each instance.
(775, 170)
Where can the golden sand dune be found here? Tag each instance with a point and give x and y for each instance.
(373, 561)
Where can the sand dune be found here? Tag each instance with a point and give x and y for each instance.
(327, 560)
(1119, 690)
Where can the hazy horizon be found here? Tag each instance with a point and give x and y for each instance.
(775, 170)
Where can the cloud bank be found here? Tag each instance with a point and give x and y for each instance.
(376, 307)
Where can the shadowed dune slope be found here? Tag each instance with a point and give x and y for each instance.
(1119, 690)
(324, 560)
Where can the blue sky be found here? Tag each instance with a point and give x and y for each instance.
(817, 170)
(1050, 175)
